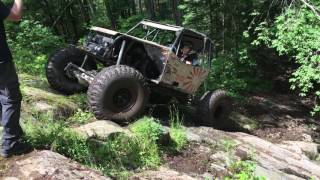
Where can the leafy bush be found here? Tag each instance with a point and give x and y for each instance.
(114, 157)
(243, 170)
(147, 128)
(31, 43)
(236, 72)
(42, 132)
(296, 33)
(177, 132)
(72, 145)
(81, 117)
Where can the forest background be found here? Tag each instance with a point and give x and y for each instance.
(260, 45)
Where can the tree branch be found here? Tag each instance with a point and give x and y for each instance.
(314, 9)
(62, 13)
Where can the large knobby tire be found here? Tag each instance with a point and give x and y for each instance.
(214, 109)
(119, 93)
(56, 75)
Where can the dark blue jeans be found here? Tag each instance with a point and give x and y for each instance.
(10, 104)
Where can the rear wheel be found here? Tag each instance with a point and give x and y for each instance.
(214, 109)
(118, 93)
(56, 75)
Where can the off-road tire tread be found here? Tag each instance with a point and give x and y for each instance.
(101, 81)
(208, 100)
(54, 75)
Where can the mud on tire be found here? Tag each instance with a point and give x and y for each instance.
(56, 75)
(119, 93)
(214, 109)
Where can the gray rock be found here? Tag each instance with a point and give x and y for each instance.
(309, 148)
(10, 178)
(205, 134)
(100, 129)
(220, 157)
(272, 175)
(272, 157)
(220, 171)
(50, 165)
(163, 174)
(244, 121)
(192, 137)
(43, 106)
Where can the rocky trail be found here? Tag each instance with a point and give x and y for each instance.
(275, 131)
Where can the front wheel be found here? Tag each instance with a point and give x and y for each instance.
(118, 93)
(214, 109)
(56, 75)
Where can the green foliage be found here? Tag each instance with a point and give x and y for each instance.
(227, 145)
(243, 170)
(128, 23)
(177, 132)
(35, 37)
(81, 117)
(41, 132)
(31, 43)
(147, 128)
(237, 72)
(80, 100)
(71, 144)
(115, 157)
(296, 33)
(179, 137)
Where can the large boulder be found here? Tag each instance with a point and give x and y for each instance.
(272, 157)
(39, 99)
(162, 173)
(312, 150)
(49, 165)
(100, 129)
(45, 102)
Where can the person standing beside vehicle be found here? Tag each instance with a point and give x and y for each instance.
(10, 95)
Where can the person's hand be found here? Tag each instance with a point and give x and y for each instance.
(16, 11)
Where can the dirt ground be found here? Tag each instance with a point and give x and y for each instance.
(278, 117)
(282, 118)
(194, 159)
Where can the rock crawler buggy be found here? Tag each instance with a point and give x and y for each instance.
(139, 66)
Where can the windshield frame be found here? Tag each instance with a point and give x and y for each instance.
(154, 31)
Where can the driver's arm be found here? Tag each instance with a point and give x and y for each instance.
(15, 13)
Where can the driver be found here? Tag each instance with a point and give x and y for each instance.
(189, 56)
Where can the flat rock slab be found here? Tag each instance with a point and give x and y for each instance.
(272, 175)
(42, 165)
(100, 129)
(163, 174)
(273, 157)
(309, 148)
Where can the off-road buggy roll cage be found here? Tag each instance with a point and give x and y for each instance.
(145, 38)
(113, 48)
(146, 64)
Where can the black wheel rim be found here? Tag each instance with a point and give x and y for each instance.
(122, 99)
(218, 112)
(121, 96)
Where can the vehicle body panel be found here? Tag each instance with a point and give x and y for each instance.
(174, 73)
(182, 77)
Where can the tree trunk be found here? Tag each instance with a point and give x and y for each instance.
(110, 14)
(48, 11)
(176, 12)
(150, 8)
